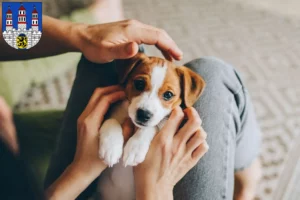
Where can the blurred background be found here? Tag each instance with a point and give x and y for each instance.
(261, 38)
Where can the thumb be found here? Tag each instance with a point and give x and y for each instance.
(124, 50)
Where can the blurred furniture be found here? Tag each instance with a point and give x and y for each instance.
(37, 133)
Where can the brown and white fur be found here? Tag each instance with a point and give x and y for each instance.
(148, 82)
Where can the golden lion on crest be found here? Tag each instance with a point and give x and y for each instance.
(22, 41)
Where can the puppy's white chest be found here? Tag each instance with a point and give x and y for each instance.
(116, 182)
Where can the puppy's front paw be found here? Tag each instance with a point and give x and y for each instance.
(134, 152)
(111, 142)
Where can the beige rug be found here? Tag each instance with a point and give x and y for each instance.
(264, 47)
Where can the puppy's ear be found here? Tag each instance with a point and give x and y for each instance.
(192, 85)
(124, 67)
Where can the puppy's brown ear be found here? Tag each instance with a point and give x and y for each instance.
(192, 85)
(124, 67)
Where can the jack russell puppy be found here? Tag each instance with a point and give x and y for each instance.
(153, 86)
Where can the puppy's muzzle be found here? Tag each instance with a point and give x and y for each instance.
(143, 116)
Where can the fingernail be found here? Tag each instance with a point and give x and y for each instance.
(180, 53)
(180, 57)
(206, 145)
(131, 48)
(200, 121)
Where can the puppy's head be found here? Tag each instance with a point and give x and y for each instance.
(155, 86)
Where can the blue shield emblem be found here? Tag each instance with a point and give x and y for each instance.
(22, 24)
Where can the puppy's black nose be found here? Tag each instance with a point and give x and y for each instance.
(143, 115)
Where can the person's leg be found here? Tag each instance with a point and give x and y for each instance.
(232, 133)
(89, 76)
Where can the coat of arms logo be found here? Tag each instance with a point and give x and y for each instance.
(22, 23)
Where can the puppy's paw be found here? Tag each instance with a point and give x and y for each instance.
(111, 142)
(135, 152)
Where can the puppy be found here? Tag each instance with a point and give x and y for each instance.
(153, 87)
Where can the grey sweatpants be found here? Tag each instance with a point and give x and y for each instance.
(226, 112)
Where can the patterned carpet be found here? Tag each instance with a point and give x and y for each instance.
(263, 46)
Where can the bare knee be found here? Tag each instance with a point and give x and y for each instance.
(246, 181)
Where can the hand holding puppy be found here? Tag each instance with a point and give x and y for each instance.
(87, 165)
(88, 126)
(171, 155)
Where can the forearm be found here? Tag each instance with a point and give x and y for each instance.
(72, 183)
(57, 37)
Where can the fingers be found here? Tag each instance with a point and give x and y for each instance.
(97, 114)
(173, 123)
(167, 56)
(128, 128)
(162, 41)
(101, 92)
(122, 51)
(190, 127)
(98, 92)
(200, 151)
(198, 138)
(94, 113)
(142, 33)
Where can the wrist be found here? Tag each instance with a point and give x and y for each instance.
(154, 191)
(79, 36)
(60, 34)
(91, 172)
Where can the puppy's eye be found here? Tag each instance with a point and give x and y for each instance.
(139, 84)
(168, 95)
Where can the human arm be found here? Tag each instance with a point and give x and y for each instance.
(87, 166)
(72, 182)
(7, 127)
(173, 152)
(56, 39)
(100, 43)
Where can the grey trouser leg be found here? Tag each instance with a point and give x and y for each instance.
(232, 133)
(226, 112)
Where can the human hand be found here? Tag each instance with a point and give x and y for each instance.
(89, 122)
(103, 43)
(7, 127)
(171, 155)
(87, 166)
